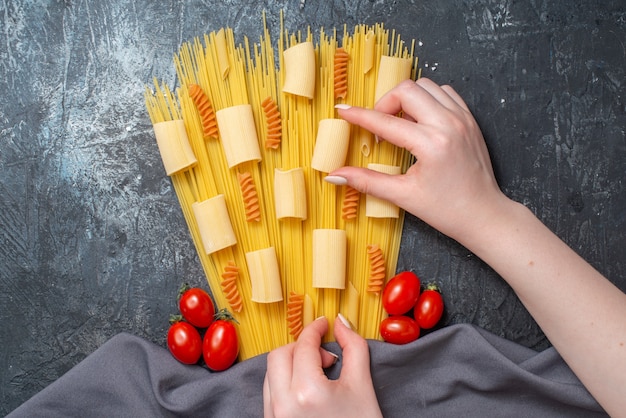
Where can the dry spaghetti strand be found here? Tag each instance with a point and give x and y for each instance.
(250, 197)
(229, 286)
(273, 123)
(207, 114)
(350, 203)
(377, 269)
(295, 305)
(340, 73)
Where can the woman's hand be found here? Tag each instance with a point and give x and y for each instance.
(296, 386)
(451, 186)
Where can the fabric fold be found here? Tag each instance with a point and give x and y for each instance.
(460, 370)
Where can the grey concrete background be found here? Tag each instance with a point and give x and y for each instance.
(92, 241)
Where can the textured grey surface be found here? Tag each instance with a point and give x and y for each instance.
(92, 241)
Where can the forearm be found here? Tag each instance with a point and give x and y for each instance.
(451, 186)
(581, 312)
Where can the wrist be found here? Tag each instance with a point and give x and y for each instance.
(490, 222)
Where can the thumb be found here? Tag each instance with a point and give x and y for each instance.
(356, 355)
(383, 186)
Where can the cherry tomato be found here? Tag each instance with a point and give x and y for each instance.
(399, 329)
(220, 347)
(401, 293)
(184, 342)
(429, 307)
(196, 306)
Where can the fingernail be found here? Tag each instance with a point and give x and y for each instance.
(335, 356)
(336, 180)
(377, 139)
(344, 321)
(320, 317)
(342, 106)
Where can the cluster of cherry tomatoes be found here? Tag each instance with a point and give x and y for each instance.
(409, 309)
(219, 347)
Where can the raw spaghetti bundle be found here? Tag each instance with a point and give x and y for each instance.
(247, 143)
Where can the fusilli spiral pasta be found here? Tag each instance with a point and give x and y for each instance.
(350, 203)
(377, 268)
(341, 73)
(250, 197)
(295, 304)
(229, 286)
(273, 123)
(207, 114)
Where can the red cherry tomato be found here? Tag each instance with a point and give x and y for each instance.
(196, 306)
(220, 347)
(429, 307)
(401, 293)
(184, 342)
(399, 329)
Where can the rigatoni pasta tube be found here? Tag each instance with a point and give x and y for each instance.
(329, 258)
(391, 71)
(264, 275)
(290, 194)
(214, 224)
(238, 133)
(379, 208)
(299, 63)
(331, 145)
(176, 153)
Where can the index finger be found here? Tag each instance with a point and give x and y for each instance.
(422, 100)
(398, 131)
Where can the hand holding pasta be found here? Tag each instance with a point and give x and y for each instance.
(451, 186)
(296, 386)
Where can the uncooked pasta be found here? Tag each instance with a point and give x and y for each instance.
(274, 128)
(350, 203)
(295, 309)
(340, 73)
(249, 196)
(377, 268)
(207, 114)
(296, 247)
(230, 288)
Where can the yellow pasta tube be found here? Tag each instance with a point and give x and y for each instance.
(308, 311)
(290, 194)
(329, 258)
(368, 51)
(353, 306)
(214, 224)
(331, 145)
(264, 275)
(222, 53)
(238, 132)
(299, 63)
(174, 147)
(378, 208)
(391, 71)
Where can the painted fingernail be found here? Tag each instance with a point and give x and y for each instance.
(336, 180)
(344, 321)
(342, 106)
